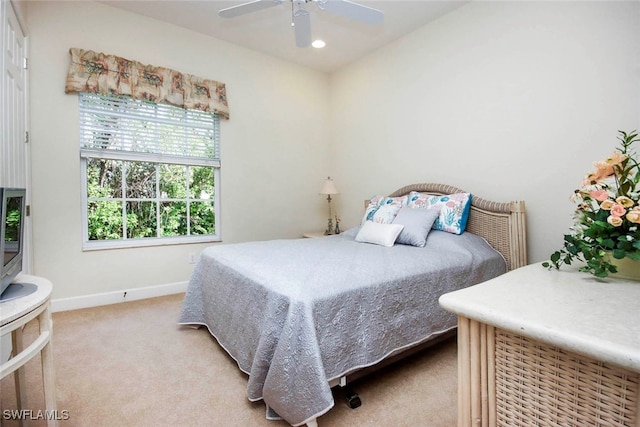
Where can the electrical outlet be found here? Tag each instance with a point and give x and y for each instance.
(192, 257)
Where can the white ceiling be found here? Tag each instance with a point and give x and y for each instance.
(269, 31)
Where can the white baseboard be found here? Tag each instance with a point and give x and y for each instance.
(95, 300)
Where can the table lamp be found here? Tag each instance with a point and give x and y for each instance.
(329, 188)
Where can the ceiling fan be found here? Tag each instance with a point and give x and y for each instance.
(300, 18)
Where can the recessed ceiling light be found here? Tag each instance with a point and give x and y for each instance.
(318, 44)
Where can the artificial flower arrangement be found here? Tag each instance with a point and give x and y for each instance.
(607, 219)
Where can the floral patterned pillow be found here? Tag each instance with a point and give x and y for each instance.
(383, 209)
(454, 209)
(374, 204)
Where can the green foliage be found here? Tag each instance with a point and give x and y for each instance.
(155, 202)
(104, 220)
(12, 233)
(607, 217)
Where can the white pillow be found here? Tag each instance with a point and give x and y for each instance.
(379, 234)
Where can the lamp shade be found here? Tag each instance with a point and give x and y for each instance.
(329, 187)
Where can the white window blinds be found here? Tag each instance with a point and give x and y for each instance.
(121, 127)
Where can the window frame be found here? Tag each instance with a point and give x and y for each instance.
(132, 156)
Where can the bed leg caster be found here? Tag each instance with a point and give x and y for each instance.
(353, 399)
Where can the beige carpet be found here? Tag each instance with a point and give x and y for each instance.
(130, 364)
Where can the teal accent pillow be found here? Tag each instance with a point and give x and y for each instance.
(454, 209)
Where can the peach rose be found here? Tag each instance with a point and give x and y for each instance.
(625, 201)
(616, 221)
(607, 204)
(633, 216)
(618, 210)
(599, 195)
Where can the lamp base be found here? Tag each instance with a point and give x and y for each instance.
(329, 229)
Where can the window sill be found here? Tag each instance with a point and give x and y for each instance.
(98, 245)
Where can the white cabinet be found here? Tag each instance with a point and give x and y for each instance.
(14, 315)
(548, 348)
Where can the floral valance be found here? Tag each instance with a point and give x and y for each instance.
(108, 74)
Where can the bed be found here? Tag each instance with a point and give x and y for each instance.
(301, 315)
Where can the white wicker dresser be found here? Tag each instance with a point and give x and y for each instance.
(548, 348)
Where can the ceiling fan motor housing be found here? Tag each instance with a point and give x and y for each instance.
(301, 20)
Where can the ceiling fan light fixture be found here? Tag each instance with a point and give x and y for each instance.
(300, 18)
(318, 44)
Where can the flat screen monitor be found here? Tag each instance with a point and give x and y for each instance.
(12, 218)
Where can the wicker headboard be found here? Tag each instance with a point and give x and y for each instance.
(503, 225)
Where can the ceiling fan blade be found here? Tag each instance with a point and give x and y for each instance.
(302, 27)
(352, 10)
(244, 8)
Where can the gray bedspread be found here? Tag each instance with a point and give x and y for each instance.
(297, 313)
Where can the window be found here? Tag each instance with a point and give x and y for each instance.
(150, 173)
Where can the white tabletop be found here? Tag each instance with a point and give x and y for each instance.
(571, 310)
(13, 309)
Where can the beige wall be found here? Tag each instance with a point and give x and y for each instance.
(508, 100)
(274, 148)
